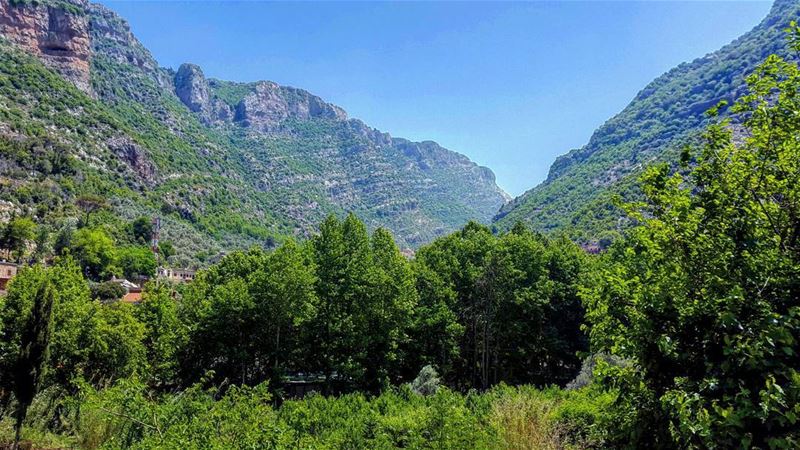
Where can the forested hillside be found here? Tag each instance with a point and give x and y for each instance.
(225, 165)
(659, 121)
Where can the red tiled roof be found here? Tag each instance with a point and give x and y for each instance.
(132, 297)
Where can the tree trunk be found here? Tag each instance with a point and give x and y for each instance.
(21, 410)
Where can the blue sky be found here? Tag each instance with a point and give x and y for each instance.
(511, 85)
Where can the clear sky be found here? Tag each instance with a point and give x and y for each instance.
(511, 85)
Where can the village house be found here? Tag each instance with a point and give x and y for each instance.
(133, 291)
(7, 272)
(179, 275)
(133, 295)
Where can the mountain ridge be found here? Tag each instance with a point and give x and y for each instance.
(239, 163)
(576, 196)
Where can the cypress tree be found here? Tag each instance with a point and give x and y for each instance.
(34, 347)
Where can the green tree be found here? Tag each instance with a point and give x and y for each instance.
(328, 332)
(112, 344)
(95, 252)
(166, 250)
(283, 291)
(703, 296)
(163, 332)
(385, 312)
(16, 235)
(63, 239)
(460, 260)
(435, 330)
(356, 297)
(136, 261)
(90, 204)
(43, 246)
(142, 230)
(222, 322)
(34, 347)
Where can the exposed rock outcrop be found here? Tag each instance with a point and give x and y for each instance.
(192, 88)
(270, 104)
(55, 31)
(111, 38)
(134, 156)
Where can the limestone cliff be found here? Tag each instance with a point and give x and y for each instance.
(270, 104)
(55, 31)
(192, 88)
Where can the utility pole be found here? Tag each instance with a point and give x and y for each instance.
(154, 239)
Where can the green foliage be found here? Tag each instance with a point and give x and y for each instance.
(124, 416)
(94, 250)
(141, 230)
(499, 289)
(348, 311)
(16, 235)
(136, 261)
(107, 291)
(33, 354)
(166, 250)
(702, 297)
(90, 340)
(164, 334)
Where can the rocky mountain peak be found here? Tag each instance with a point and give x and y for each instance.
(191, 87)
(270, 104)
(112, 37)
(55, 31)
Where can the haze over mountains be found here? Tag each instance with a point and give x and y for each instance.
(85, 110)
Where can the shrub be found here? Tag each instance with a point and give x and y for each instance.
(427, 382)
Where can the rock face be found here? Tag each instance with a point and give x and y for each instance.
(192, 88)
(270, 104)
(111, 35)
(134, 156)
(56, 32)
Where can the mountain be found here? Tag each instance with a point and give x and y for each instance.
(85, 110)
(577, 195)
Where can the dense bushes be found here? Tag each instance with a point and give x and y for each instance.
(242, 417)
